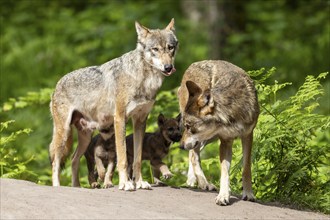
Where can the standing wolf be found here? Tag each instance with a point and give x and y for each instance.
(218, 100)
(108, 95)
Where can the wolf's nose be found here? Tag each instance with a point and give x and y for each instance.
(168, 67)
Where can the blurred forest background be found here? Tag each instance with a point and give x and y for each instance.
(43, 40)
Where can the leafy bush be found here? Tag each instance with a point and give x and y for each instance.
(291, 147)
(12, 165)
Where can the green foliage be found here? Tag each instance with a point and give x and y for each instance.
(11, 164)
(32, 98)
(284, 34)
(288, 159)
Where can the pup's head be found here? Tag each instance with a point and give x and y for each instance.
(170, 128)
(87, 125)
(197, 118)
(158, 46)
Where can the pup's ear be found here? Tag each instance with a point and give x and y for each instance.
(205, 102)
(161, 120)
(83, 123)
(193, 89)
(170, 26)
(141, 30)
(178, 118)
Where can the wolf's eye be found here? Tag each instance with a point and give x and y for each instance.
(170, 47)
(170, 129)
(155, 49)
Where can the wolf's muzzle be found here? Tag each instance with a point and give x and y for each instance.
(168, 68)
(176, 138)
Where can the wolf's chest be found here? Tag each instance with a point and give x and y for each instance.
(144, 97)
(152, 84)
(139, 107)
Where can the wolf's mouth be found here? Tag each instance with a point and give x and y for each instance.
(170, 72)
(176, 138)
(196, 144)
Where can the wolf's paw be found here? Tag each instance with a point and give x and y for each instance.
(208, 187)
(127, 186)
(167, 175)
(248, 196)
(95, 185)
(142, 185)
(160, 183)
(107, 185)
(222, 199)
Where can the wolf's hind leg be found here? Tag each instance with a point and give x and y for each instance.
(60, 147)
(84, 138)
(246, 177)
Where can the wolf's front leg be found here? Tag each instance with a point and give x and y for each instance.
(194, 156)
(156, 175)
(157, 164)
(100, 167)
(159, 167)
(109, 174)
(191, 180)
(225, 160)
(139, 124)
(120, 130)
(91, 175)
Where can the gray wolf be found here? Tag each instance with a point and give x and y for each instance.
(218, 100)
(102, 152)
(108, 95)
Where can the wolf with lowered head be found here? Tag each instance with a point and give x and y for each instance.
(218, 100)
(108, 95)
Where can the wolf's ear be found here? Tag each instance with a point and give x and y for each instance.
(178, 118)
(83, 123)
(205, 102)
(161, 119)
(193, 89)
(170, 26)
(141, 30)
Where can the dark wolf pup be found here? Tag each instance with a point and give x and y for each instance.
(218, 100)
(108, 95)
(156, 146)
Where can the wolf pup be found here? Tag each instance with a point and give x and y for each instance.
(101, 152)
(156, 146)
(108, 95)
(218, 100)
